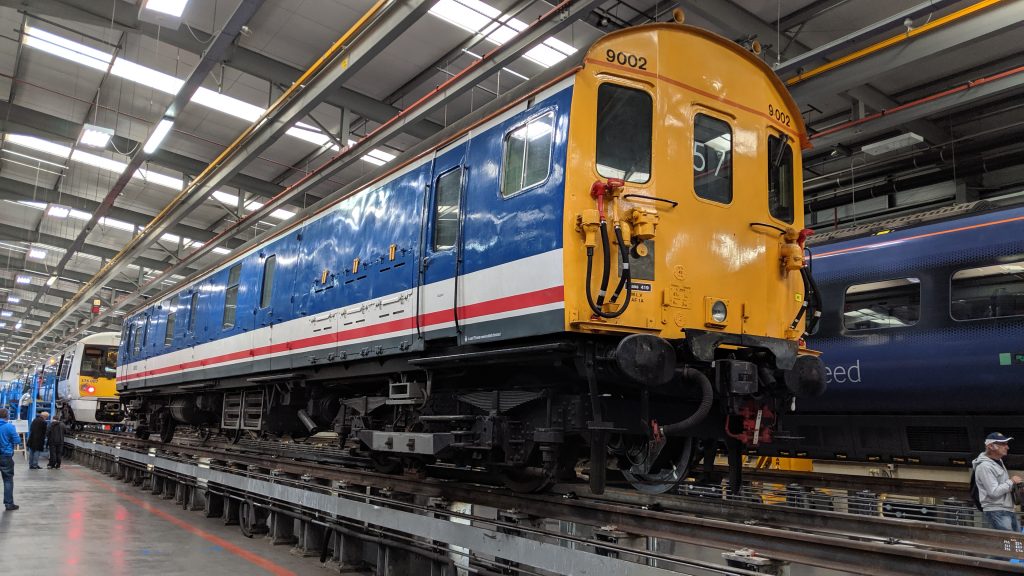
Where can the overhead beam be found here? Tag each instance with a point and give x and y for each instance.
(16, 191)
(993, 20)
(104, 13)
(969, 93)
(215, 51)
(19, 119)
(363, 45)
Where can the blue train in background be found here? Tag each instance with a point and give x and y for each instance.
(922, 335)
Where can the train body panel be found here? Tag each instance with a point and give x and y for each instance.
(708, 144)
(461, 294)
(921, 337)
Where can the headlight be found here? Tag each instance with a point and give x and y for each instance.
(719, 311)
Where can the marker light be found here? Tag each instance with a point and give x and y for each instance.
(719, 311)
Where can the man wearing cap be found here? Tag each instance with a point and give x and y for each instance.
(995, 484)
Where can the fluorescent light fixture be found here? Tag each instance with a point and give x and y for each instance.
(37, 253)
(282, 214)
(12, 299)
(39, 144)
(220, 250)
(51, 280)
(67, 49)
(18, 325)
(95, 136)
(227, 105)
(23, 279)
(147, 76)
(158, 135)
(6, 313)
(3, 324)
(477, 17)
(890, 144)
(171, 7)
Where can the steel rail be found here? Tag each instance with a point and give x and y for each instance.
(825, 539)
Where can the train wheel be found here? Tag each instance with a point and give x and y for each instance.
(167, 426)
(385, 463)
(655, 467)
(539, 477)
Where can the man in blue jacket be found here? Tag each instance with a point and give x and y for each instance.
(995, 484)
(8, 440)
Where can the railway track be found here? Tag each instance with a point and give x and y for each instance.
(821, 538)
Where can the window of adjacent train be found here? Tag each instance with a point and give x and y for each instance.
(99, 361)
(712, 159)
(887, 304)
(193, 306)
(267, 289)
(527, 155)
(624, 118)
(780, 178)
(993, 291)
(231, 297)
(172, 312)
(65, 367)
(446, 209)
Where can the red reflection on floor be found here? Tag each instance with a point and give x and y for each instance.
(250, 557)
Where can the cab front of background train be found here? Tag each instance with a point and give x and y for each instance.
(606, 257)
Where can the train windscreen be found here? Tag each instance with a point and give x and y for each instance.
(99, 361)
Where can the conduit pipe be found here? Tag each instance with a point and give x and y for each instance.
(893, 41)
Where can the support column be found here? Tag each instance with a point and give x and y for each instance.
(282, 529)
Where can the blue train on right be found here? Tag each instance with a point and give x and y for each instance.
(922, 336)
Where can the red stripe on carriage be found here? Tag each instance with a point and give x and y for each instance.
(497, 306)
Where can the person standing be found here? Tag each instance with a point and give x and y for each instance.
(36, 440)
(55, 439)
(995, 484)
(8, 440)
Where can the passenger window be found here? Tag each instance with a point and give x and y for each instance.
(624, 118)
(527, 155)
(887, 304)
(231, 297)
(446, 209)
(192, 312)
(712, 159)
(137, 337)
(172, 311)
(266, 291)
(995, 291)
(780, 178)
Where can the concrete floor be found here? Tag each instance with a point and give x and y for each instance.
(77, 522)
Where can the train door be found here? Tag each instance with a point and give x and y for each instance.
(442, 239)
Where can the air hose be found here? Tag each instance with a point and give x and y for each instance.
(706, 399)
(598, 191)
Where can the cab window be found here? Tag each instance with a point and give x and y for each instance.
(527, 155)
(995, 291)
(780, 178)
(712, 159)
(624, 133)
(886, 304)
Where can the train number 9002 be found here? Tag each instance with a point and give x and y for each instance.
(624, 59)
(778, 114)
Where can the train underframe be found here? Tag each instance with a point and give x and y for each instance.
(532, 414)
